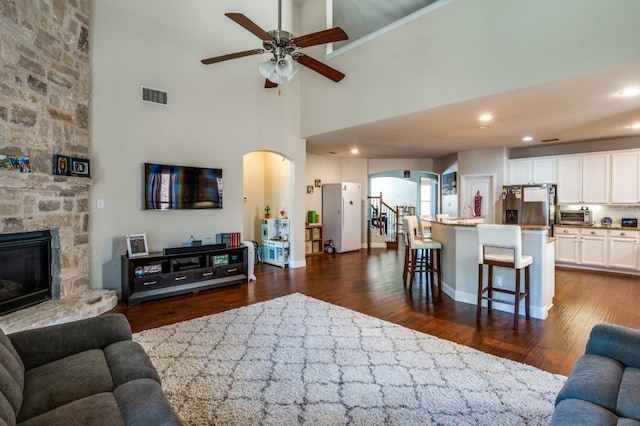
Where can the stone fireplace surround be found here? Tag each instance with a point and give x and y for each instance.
(35, 202)
(44, 110)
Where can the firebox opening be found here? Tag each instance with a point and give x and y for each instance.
(25, 269)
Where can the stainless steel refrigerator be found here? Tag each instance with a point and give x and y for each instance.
(342, 215)
(529, 205)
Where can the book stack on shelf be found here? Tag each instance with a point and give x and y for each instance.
(231, 239)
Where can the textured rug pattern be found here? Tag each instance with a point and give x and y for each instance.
(298, 360)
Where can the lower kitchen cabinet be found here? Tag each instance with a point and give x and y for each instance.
(567, 245)
(623, 249)
(593, 247)
(598, 248)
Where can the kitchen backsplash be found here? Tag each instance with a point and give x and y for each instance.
(616, 213)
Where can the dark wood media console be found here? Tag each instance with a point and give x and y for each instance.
(158, 275)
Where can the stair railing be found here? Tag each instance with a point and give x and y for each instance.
(384, 219)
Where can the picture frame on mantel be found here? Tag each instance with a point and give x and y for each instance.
(80, 167)
(137, 245)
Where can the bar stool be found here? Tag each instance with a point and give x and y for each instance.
(421, 255)
(501, 246)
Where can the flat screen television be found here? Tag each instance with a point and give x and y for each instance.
(170, 187)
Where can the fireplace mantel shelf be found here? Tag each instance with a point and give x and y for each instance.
(11, 179)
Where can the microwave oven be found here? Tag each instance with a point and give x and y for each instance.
(575, 217)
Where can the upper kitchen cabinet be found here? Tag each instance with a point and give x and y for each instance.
(583, 179)
(570, 180)
(532, 170)
(596, 179)
(625, 178)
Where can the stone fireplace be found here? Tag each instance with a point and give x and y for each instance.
(44, 110)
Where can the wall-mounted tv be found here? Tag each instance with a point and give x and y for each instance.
(169, 187)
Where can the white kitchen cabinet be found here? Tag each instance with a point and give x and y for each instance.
(532, 171)
(625, 178)
(519, 171)
(593, 247)
(623, 249)
(567, 244)
(583, 179)
(596, 179)
(570, 179)
(543, 170)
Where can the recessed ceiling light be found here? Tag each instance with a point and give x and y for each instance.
(354, 150)
(630, 91)
(635, 125)
(485, 117)
(527, 139)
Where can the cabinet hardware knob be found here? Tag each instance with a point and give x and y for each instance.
(232, 270)
(150, 283)
(180, 278)
(207, 274)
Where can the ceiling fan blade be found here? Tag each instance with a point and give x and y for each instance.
(232, 56)
(268, 84)
(321, 37)
(319, 67)
(249, 25)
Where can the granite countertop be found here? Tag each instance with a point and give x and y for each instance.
(472, 225)
(617, 227)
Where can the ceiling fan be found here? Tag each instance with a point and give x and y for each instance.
(284, 46)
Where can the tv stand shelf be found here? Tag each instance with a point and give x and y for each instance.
(160, 275)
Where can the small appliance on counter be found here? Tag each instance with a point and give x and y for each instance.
(575, 217)
(606, 222)
(628, 222)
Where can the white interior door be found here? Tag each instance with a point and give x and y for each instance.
(483, 185)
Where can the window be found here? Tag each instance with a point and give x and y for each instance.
(425, 196)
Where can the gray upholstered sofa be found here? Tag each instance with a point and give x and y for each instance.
(80, 373)
(604, 385)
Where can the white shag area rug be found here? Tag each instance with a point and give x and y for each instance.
(297, 360)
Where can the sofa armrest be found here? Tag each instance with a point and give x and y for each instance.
(617, 342)
(43, 345)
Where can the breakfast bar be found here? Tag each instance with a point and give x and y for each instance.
(460, 265)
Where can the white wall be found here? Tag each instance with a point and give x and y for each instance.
(465, 50)
(484, 162)
(216, 114)
(396, 191)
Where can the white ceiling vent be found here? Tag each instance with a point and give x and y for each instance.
(155, 96)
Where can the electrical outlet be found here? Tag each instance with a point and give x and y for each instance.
(498, 281)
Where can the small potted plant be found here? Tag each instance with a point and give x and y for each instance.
(267, 211)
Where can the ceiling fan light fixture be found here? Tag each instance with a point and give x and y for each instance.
(284, 68)
(267, 68)
(269, 71)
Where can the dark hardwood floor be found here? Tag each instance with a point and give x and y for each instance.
(370, 281)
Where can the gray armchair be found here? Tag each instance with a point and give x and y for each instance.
(604, 385)
(84, 372)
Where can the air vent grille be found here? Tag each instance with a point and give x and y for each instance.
(155, 96)
(549, 140)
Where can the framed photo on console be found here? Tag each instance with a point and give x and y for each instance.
(137, 245)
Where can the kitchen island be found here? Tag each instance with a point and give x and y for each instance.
(460, 265)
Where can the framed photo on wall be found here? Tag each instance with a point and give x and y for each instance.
(137, 245)
(449, 183)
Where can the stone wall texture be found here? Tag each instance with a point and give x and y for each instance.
(44, 110)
